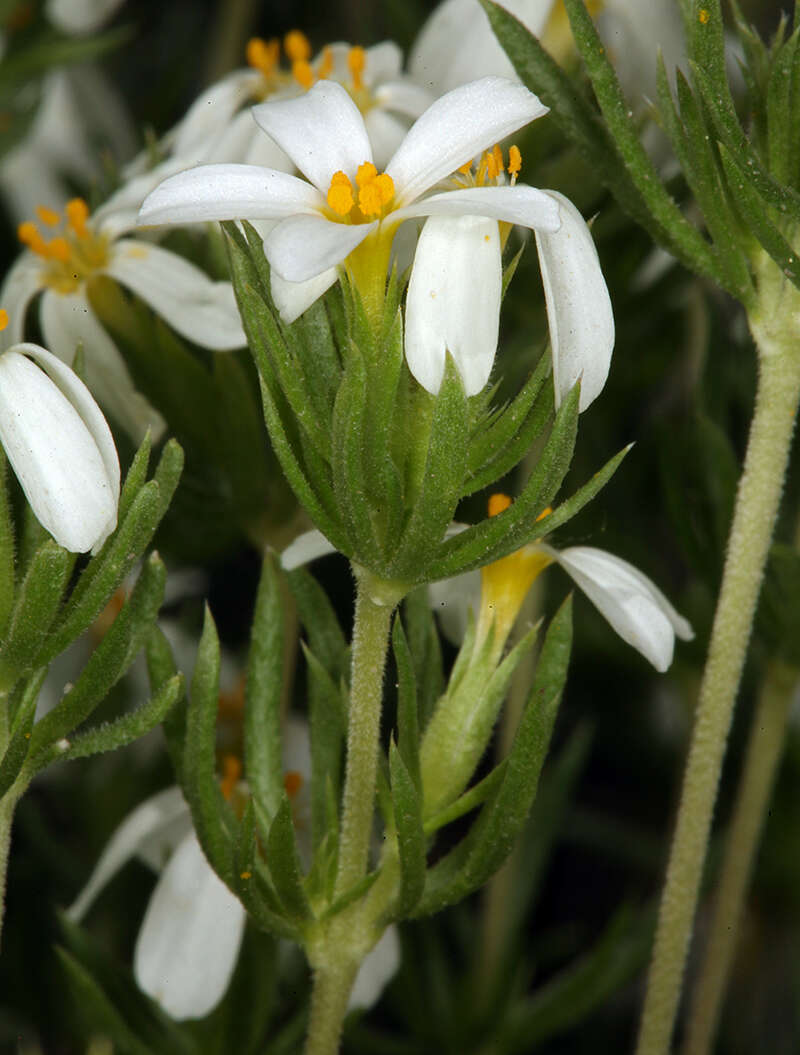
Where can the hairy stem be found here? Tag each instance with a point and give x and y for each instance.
(754, 517)
(764, 750)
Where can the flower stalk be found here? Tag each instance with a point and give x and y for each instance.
(757, 502)
(764, 751)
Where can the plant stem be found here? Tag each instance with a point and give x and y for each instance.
(370, 639)
(7, 805)
(757, 503)
(328, 1008)
(764, 751)
(337, 950)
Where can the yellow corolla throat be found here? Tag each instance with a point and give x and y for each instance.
(265, 56)
(505, 582)
(74, 252)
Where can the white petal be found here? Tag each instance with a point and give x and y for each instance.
(456, 128)
(451, 600)
(304, 549)
(21, 285)
(186, 298)
(454, 301)
(53, 453)
(297, 747)
(189, 940)
(293, 298)
(578, 305)
(68, 321)
(457, 44)
(322, 131)
(378, 968)
(211, 113)
(520, 204)
(120, 213)
(403, 97)
(229, 192)
(386, 133)
(632, 604)
(27, 179)
(302, 247)
(80, 16)
(382, 62)
(147, 822)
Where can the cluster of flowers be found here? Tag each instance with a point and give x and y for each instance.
(339, 151)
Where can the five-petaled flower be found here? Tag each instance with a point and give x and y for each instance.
(66, 253)
(346, 212)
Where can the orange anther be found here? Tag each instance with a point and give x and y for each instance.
(231, 771)
(356, 61)
(325, 67)
(302, 73)
(514, 162)
(48, 216)
(58, 249)
(366, 173)
(296, 46)
(77, 212)
(498, 503)
(340, 194)
(544, 513)
(292, 781)
(3, 318)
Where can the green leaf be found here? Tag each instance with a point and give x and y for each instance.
(284, 863)
(781, 118)
(51, 50)
(129, 727)
(500, 535)
(407, 807)
(426, 652)
(135, 478)
(445, 469)
(693, 146)
(109, 661)
(161, 668)
(756, 215)
(264, 690)
(20, 733)
(407, 707)
(210, 813)
(348, 444)
(37, 603)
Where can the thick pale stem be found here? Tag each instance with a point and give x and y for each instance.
(757, 502)
(328, 1007)
(370, 640)
(764, 751)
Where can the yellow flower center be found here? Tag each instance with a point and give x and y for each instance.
(505, 582)
(375, 192)
(265, 56)
(73, 254)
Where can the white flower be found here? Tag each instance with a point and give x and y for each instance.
(218, 127)
(188, 943)
(348, 213)
(61, 267)
(454, 303)
(77, 17)
(633, 605)
(59, 446)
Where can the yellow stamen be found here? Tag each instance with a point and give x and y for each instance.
(544, 513)
(231, 771)
(302, 73)
(325, 68)
(375, 190)
(483, 168)
(340, 194)
(514, 162)
(497, 154)
(48, 216)
(296, 46)
(77, 213)
(263, 55)
(704, 16)
(292, 781)
(356, 61)
(245, 875)
(3, 319)
(465, 169)
(28, 234)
